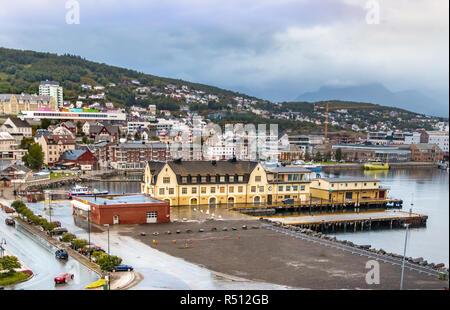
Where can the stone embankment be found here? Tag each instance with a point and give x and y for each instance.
(440, 267)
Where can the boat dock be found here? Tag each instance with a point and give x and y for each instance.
(353, 221)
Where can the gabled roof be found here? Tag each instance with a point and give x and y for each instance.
(72, 154)
(201, 167)
(19, 123)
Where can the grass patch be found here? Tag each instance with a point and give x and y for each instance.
(56, 175)
(8, 278)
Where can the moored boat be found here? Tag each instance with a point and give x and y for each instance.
(79, 190)
(376, 166)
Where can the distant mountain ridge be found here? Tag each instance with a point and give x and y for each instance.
(377, 93)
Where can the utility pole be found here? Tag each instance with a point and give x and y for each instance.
(404, 256)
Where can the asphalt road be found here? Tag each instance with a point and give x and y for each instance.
(38, 255)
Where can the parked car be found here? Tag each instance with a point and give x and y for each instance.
(123, 268)
(10, 221)
(63, 277)
(58, 231)
(57, 223)
(61, 254)
(93, 247)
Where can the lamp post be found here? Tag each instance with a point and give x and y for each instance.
(89, 231)
(109, 275)
(404, 256)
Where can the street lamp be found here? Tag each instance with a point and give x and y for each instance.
(404, 256)
(109, 275)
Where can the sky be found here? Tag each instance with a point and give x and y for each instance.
(271, 49)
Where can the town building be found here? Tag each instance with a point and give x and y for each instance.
(79, 116)
(347, 189)
(17, 128)
(13, 104)
(9, 147)
(54, 145)
(83, 159)
(52, 89)
(425, 152)
(121, 209)
(134, 155)
(225, 183)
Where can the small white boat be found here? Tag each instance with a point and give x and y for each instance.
(79, 190)
(313, 167)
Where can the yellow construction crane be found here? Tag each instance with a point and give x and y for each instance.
(325, 139)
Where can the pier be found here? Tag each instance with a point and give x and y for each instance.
(348, 222)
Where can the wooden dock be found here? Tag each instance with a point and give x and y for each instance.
(353, 221)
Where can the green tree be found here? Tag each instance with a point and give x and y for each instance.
(79, 128)
(68, 237)
(318, 156)
(34, 159)
(338, 154)
(137, 136)
(26, 143)
(328, 156)
(79, 243)
(45, 123)
(108, 262)
(307, 156)
(9, 263)
(154, 138)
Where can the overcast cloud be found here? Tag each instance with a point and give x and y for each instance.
(274, 49)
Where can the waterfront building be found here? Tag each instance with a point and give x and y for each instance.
(228, 183)
(13, 104)
(440, 138)
(134, 155)
(52, 89)
(364, 153)
(348, 189)
(83, 159)
(121, 209)
(425, 152)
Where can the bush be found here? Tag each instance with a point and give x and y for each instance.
(9, 263)
(79, 243)
(108, 262)
(68, 237)
(18, 205)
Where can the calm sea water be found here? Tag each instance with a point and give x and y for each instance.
(426, 188)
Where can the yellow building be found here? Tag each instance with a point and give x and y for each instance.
(348, 189)
(14, 103)
(223, 183)
(54, 145)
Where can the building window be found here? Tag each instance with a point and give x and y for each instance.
(222, 179)
(231, 189)
(240, 178)
(194, 190)
(161, 191)
(332, 185)
(258, 178)
(253, 189)
(280, 188)
(288, 188)
(231, 178)
(302, 187)
(203, 190)
(171, 191)
(295, 188)
(213, 179)
(194, 179)
(166, 180)
(184, 190)
(203, 179)
(222, 189)
(213, 190)
(184, 180)
(261, 189)
(240, 189)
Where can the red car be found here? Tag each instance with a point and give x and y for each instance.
(63, 277)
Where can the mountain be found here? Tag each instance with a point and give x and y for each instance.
(377, 93)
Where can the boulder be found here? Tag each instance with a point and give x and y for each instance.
(233, 228)
(143, 234)
(178, 231)
(244, 227)
(225, 229)
(201, 230)
(155, 233)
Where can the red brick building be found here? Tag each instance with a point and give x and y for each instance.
(121, 209)
(425, 152)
